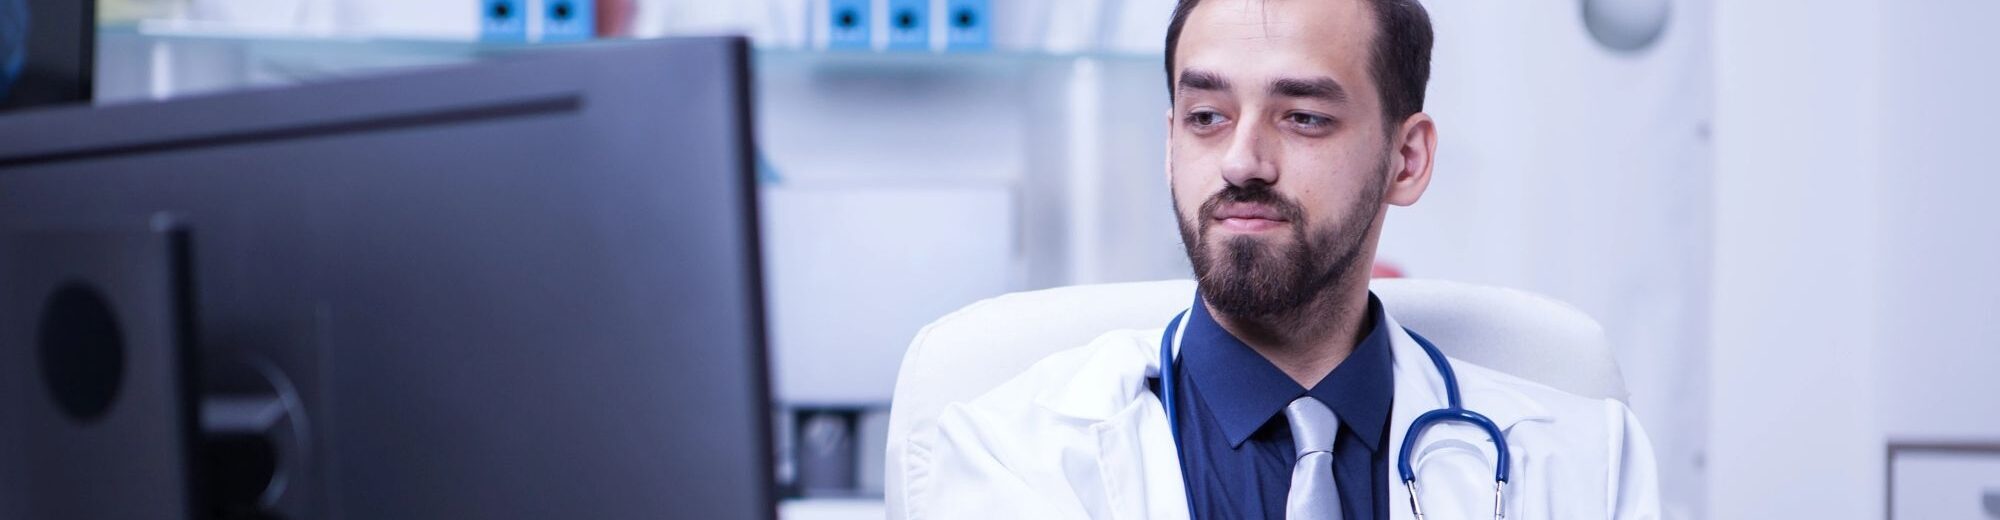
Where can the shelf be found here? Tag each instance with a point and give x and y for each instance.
(253, 39)
(156, 60)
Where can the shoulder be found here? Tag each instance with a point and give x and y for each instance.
(1110, 369)
(1554, 411)
(1550, 399)
(1063, 392)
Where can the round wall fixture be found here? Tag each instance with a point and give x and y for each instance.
(1626, 25)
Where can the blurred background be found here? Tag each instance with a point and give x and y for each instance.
(1779, 210)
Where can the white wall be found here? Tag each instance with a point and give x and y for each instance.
(1793, 427)
(1938, 342)
(1856, 243)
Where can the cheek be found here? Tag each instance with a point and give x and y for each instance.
(1330, 184)
(1192, 181)
(1188, 200)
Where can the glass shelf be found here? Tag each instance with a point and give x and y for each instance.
(157, 60)
(169, 31)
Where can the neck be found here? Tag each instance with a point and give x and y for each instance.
(1308, 342)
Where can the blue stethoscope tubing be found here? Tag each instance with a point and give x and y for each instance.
(1454, 411)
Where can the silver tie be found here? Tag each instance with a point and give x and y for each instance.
(1313, 496)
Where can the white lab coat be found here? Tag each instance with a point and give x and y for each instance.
(1079, 435)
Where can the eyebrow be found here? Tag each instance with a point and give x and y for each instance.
(1197, 79)
(1322, 88)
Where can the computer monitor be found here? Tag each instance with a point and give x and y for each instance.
(526, 288)
(47, 50)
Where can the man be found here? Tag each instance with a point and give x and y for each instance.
(1295, 123)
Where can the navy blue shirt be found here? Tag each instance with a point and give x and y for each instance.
(1236, 447)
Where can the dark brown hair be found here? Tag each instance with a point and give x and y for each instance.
(1400, 59)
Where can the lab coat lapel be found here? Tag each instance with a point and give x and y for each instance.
(1134, 472)
(1419, 389)
(1140, 465)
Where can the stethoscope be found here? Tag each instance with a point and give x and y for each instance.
(1454, 410)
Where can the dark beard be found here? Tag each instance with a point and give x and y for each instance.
(1268, 282)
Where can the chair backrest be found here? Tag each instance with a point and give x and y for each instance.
(966, 353)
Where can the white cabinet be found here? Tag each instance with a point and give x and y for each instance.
(854, 271)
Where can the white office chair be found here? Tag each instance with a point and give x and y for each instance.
(966, 353)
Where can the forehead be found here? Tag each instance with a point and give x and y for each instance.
(1252, 40)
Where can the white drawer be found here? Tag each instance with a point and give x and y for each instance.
(1944, 482)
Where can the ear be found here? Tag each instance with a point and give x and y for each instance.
(1416, 151)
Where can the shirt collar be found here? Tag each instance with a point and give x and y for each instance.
(1244, 391)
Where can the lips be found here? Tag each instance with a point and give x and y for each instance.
(1248, 217)
(1248, 211)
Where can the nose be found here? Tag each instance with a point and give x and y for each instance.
(1246, 160)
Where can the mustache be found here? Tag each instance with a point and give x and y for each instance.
(1253, 192)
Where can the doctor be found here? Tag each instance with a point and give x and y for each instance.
(1287, 390)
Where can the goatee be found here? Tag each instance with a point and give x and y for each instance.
(1261, 279)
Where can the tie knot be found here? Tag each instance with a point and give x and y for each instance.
(1313, 425)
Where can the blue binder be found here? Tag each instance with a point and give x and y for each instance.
(569, 20)
(909, 25)
(847, 24)
(968, 25)
(503, 21)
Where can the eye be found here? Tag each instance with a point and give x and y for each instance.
(1307, 120)
(1204, 119)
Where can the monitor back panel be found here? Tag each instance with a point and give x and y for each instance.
(523, 289)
